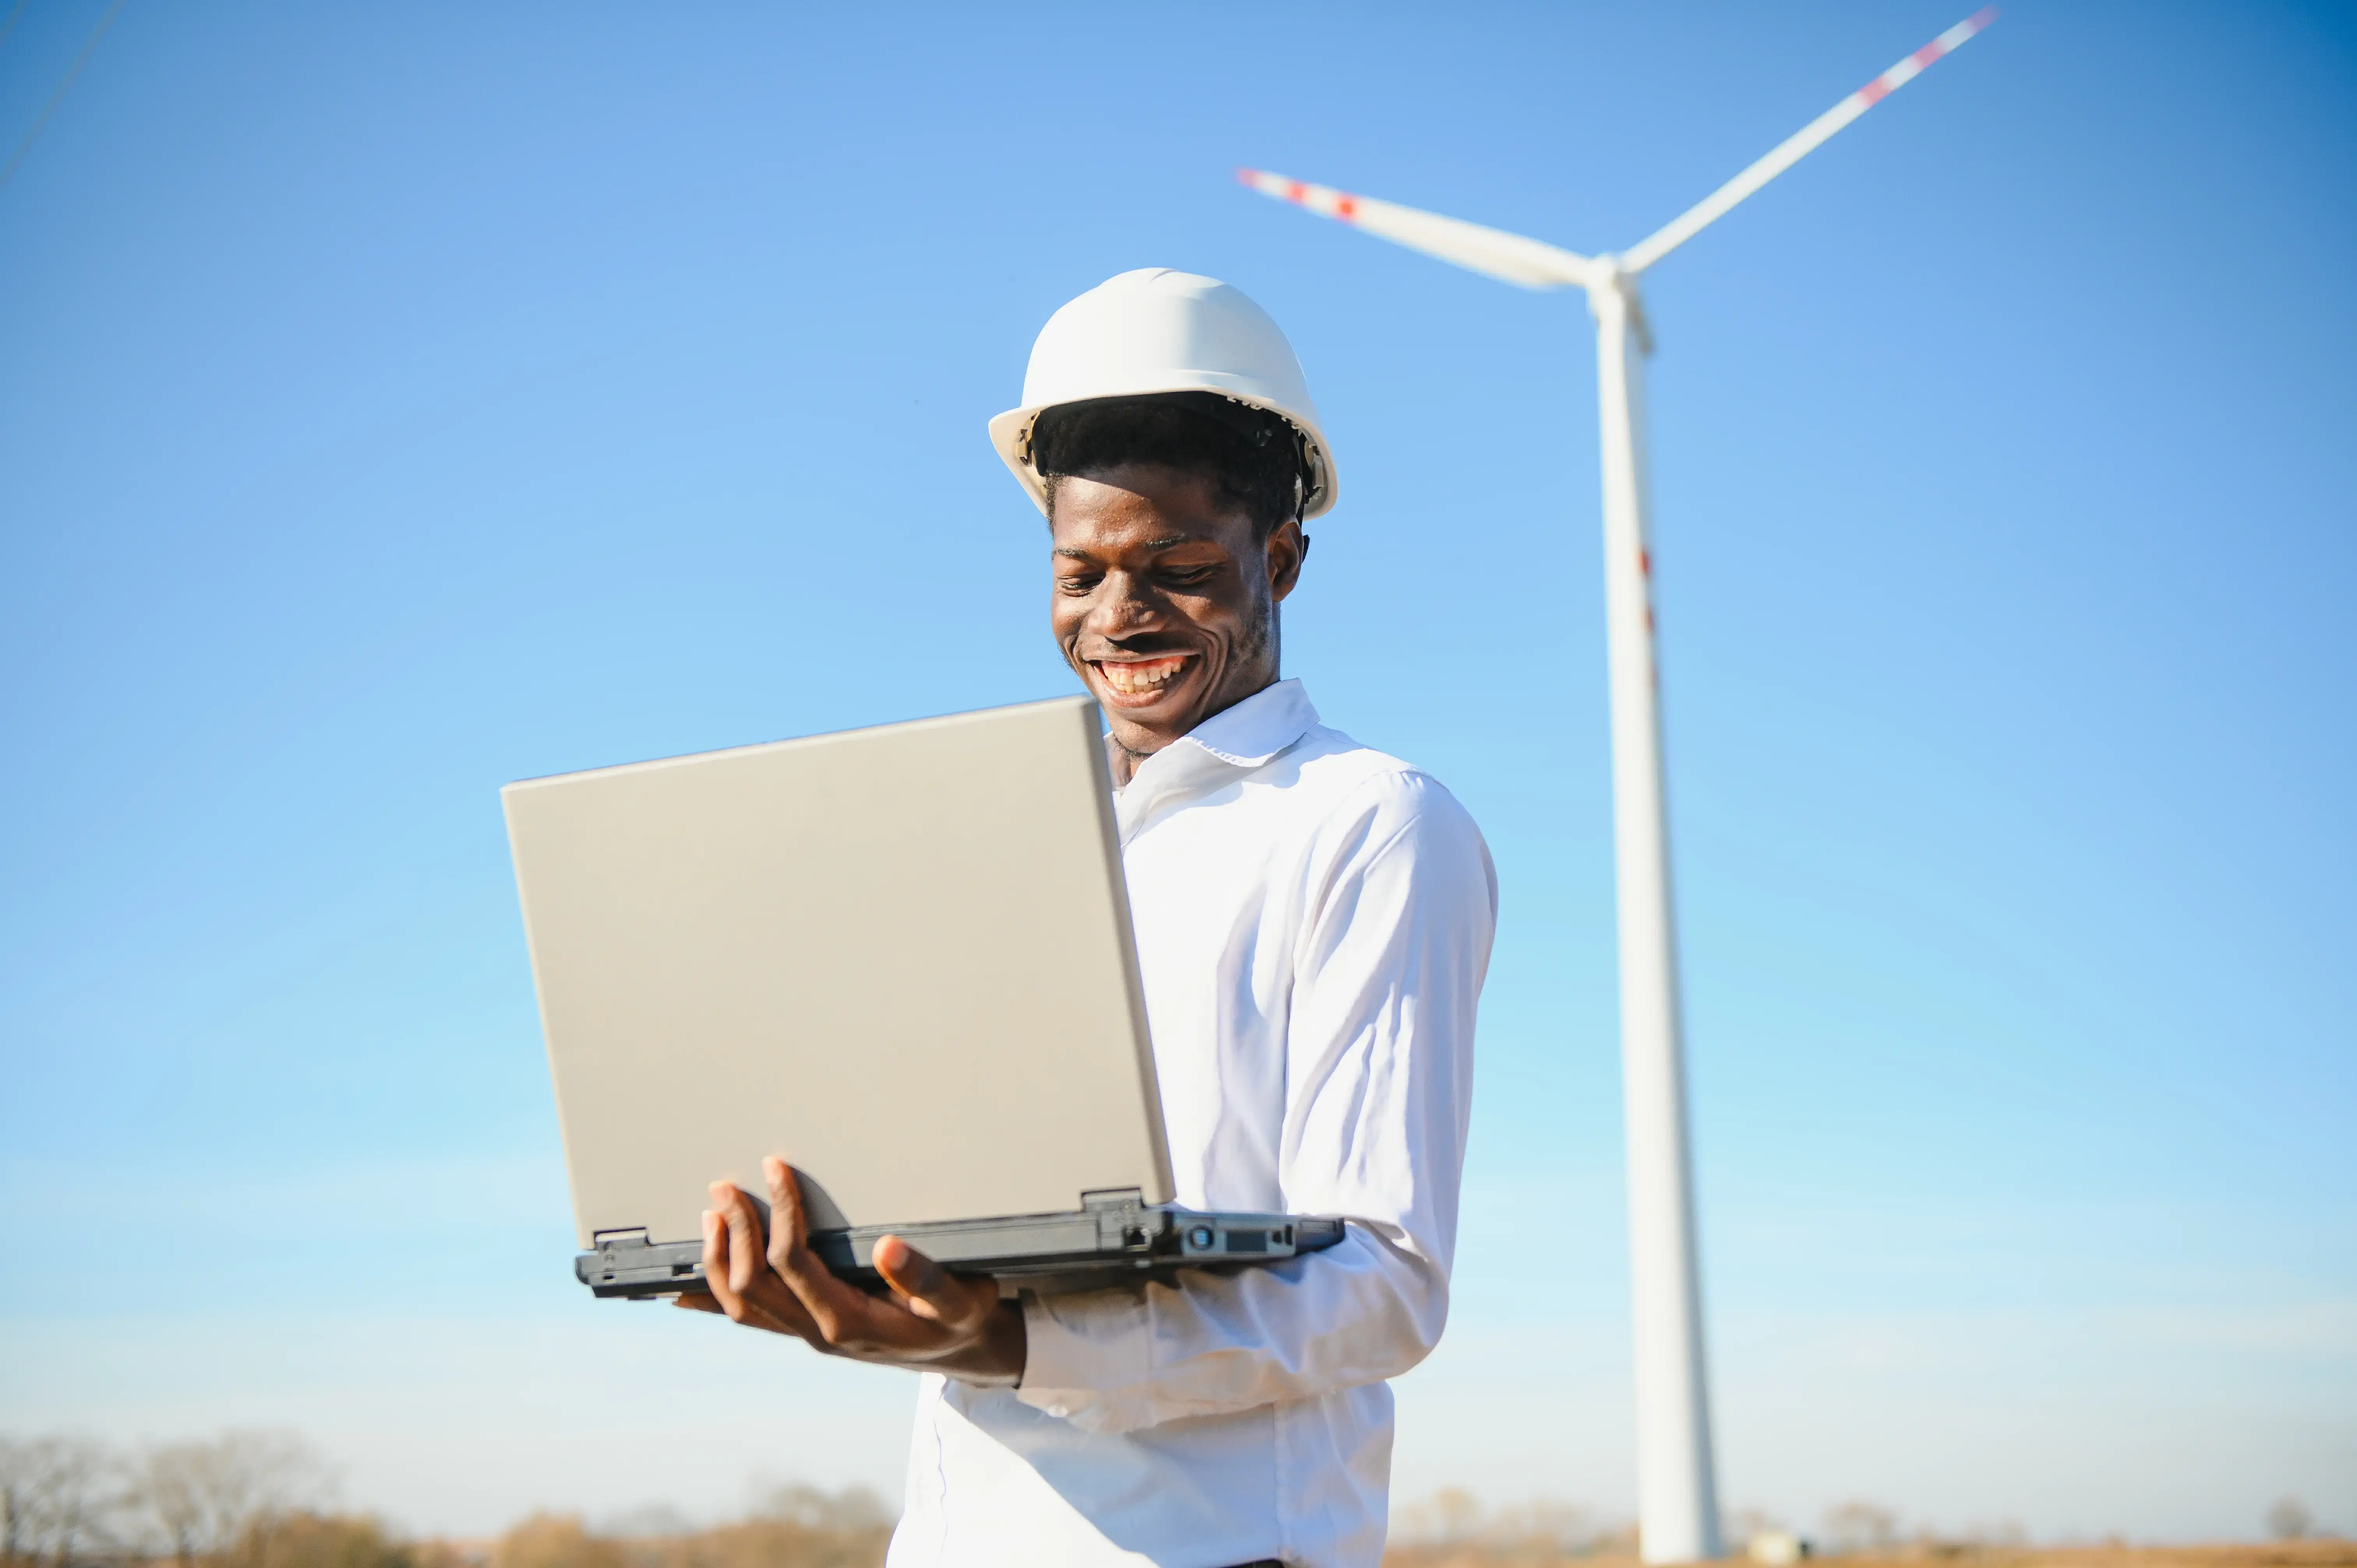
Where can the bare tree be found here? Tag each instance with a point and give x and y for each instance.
(811, 1508)
(555, 1540)
(56, 1494)
(1448, 1517)
(1542, 1526)
(201, 1498)
(1861, 1527)
(15, 1467)
(305, 1539)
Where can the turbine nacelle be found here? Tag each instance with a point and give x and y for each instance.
(1613, 297)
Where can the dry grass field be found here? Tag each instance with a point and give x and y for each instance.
(311, 1541)
(2282, 1554)
(755, 1546)
(238, 1502)
(553, 1544)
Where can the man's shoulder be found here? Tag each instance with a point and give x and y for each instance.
(1340, 777)
(1326, 760)
(1362, 810)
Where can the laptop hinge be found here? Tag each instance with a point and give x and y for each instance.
(1120, 1224)
(637, 1233)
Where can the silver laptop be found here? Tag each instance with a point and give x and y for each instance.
(901, 960)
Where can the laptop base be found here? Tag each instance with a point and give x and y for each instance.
(1112, 1238)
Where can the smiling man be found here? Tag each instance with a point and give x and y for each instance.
(1313, 921)
(1177, 531)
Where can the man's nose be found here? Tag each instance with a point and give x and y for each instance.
(1125, 608)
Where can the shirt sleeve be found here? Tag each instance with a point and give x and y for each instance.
(1388, 969)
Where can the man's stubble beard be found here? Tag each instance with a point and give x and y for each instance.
(1266, 637)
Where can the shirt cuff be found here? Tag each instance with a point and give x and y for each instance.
(1087, 1355)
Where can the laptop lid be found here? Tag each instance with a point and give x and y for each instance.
(898, 958)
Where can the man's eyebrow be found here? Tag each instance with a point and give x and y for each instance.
(1168, 542)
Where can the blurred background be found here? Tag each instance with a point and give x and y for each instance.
(399, 401)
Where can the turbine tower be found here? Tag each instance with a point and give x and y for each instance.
(1677, 1495)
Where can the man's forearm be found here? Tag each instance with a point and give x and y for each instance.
(1114, 1360)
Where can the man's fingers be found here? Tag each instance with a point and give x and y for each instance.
(744, 1248)
(716, 1262)
(820, 1294)
(789, 1227)
(927, 1299)
(775, 1310)
(843, 1315)
(927, 1289)
(774, 1307)
(776, 1282)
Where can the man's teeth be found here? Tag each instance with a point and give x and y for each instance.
(1143, 676)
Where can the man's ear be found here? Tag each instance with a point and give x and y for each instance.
(1287, 547)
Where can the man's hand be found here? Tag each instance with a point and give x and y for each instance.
(934, 1322)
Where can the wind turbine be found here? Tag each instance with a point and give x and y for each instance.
(1677, 1495)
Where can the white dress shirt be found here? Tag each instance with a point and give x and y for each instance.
(1313, 924)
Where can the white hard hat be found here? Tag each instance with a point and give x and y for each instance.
(1155, 331)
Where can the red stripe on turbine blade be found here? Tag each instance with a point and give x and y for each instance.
(1296, 191)
(1250, 176)
(1347, 208)
(1882, 87)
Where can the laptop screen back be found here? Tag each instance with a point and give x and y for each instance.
(898, 958)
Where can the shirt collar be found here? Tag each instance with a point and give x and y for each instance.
(1245, 735)
(1256, 728)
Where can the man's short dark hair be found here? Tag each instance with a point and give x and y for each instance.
(1252, 458)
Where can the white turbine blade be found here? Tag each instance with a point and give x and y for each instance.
(1799, 145)
(1492, 253)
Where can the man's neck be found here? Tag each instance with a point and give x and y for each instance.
(1125, 764)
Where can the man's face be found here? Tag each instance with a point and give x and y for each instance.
(1165, 603)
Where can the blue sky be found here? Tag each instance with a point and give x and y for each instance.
(399, 401)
